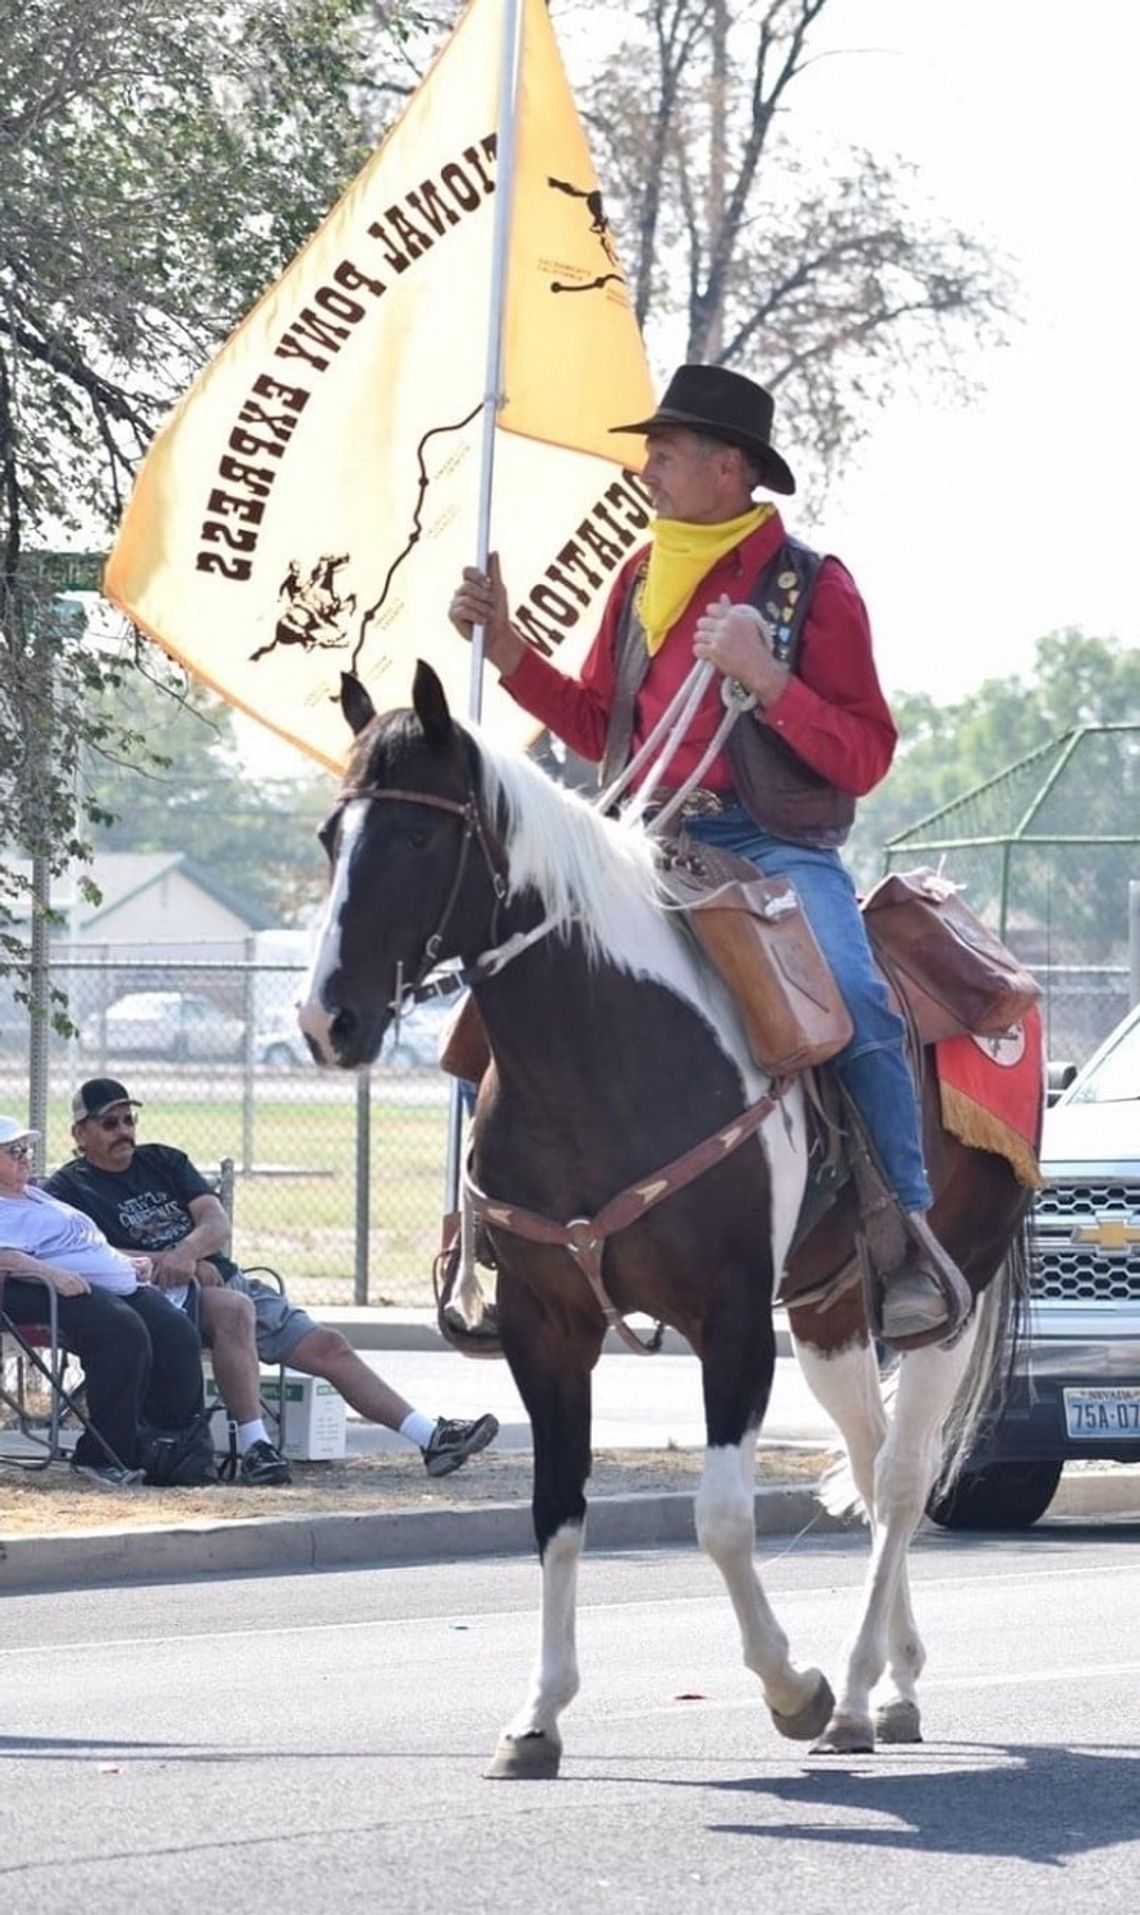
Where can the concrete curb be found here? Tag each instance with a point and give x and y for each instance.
(371, 1327)
(367, 1539)
(362, 1539)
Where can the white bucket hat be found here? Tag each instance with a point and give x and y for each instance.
(12, 1130)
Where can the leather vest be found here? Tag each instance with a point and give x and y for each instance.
(782, 794)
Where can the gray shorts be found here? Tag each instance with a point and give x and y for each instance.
(280, 1324)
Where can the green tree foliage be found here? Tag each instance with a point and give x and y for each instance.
(986, 756)
(159, 163)
(946, 750)
(195, 796)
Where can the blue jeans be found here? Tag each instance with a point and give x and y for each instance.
(873, 1066)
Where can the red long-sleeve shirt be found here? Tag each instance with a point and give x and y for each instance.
(832, 712)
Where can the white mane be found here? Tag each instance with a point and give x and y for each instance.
(592, 873)
(599, 876)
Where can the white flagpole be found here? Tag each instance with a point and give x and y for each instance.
(493, 396)
(492, 401)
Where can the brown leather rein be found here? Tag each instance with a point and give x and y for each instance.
(584, 1237)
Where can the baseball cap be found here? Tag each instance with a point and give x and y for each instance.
(11, 1130)
(97, 1095)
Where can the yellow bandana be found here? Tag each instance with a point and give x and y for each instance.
(680, 556)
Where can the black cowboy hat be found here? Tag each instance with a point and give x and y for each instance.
(723, 405)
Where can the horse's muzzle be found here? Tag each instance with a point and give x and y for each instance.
(340, 1039)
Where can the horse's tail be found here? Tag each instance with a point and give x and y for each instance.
(981, 1397)
(985, 1386)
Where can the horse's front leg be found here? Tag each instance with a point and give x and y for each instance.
(558, 1404)
(905, 1469)
(736, 1392)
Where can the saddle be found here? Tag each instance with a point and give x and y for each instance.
(948, 976)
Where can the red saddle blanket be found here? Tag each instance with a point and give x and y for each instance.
(993, 1092)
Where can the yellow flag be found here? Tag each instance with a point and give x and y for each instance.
(308, 506)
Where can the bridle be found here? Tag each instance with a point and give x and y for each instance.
(474, 829)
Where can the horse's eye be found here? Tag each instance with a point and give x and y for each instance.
(417, 836)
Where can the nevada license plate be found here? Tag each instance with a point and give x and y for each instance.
(1102, 1412)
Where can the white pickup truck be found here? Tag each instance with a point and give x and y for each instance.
(1075, 1389)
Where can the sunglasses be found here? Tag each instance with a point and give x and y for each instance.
(123, 1121)
(19, 1150)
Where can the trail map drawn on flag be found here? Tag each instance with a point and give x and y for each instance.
(309, 505)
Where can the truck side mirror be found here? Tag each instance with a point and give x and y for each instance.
(1058, 1077)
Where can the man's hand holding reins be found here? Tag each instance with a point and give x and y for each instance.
(481, 599)
(736, 639)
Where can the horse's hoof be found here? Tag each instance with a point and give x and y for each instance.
(533, 1757)
(846, 1735)
(809, 1720)
(898, 1721)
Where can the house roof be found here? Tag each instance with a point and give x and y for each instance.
(123, 875)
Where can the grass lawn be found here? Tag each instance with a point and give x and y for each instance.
(297, 1210)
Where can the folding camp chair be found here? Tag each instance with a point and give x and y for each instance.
(31, 1352)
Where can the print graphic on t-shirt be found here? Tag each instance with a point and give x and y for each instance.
(153, 1220)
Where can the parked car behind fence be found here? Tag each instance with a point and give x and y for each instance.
(168, 1024)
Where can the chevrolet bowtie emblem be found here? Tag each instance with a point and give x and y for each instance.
(1108, 1233)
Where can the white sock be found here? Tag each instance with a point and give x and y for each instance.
(418, 1428)
(250, 1433)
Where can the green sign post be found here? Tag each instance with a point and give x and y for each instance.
(62, 571)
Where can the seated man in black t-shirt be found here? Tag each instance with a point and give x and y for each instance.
(151, 1197)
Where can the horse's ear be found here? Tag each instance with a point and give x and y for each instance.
(355, 703)
(430, 702)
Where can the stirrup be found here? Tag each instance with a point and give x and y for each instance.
(480, 1338)
(926, 1255)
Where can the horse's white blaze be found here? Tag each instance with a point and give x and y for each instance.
(313, 1016)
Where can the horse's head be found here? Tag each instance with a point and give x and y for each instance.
(405, 890)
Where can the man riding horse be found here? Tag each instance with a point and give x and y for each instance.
(782, 791)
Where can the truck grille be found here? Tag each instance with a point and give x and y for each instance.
(1068, 1272)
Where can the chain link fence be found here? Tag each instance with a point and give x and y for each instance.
(1045, 854)
(339, 1177)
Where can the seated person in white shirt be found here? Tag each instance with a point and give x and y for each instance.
(141, 1357)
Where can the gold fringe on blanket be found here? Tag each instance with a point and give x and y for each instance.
(972, 1124)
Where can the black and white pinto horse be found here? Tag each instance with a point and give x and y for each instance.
(615, 1052)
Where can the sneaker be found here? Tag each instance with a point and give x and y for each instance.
(263, 1467)
(109, 1475)
(452, 1443)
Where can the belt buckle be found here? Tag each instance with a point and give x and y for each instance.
(702, 803)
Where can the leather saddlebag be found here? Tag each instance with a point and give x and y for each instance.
(464, 1051)
(757, 936)
(959, 975)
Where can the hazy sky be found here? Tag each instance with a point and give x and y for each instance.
(973, 532)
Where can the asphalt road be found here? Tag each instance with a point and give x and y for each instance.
(638, 1402)
(315, 1742)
